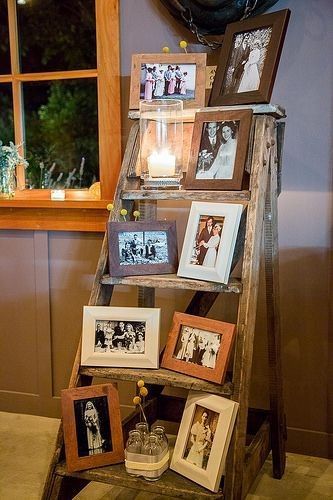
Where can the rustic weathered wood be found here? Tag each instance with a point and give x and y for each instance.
(248, 303)
(273, 320)
(159, 377)
(242, 464)
(173, 281)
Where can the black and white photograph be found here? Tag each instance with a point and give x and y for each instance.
(144, 247)
(197, 346)
(127, 337)
(217, 151)
(201, 436)
(176, 81)
(248, 55)
(92, 422)
(207, 241)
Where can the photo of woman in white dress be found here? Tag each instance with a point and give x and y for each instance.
(251, 78)
(94, 438)
(212, 246)
(224, 163)
(201, 437)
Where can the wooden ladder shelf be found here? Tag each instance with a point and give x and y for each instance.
(266, 429)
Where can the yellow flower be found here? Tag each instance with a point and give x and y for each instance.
(183, 45)
(109, 207)
(140, 383)
(166, 50)
(137, 400)
(123, 211)
(143, 391)
(136, 214)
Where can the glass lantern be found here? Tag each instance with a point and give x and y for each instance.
(161, 143)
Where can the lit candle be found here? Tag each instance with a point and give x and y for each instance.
(161, 164)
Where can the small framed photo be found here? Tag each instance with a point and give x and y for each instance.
(199, 347)
(209, 241)
(142, 247)
(249, 60)
(168, 76)
(92, 426)
(219, 150)
(203, 438)
(120, 336)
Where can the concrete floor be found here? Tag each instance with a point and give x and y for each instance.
(27, 446)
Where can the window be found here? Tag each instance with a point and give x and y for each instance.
(59, 88)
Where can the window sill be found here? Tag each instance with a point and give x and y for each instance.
(34, 210)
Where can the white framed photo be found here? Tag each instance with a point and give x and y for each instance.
(209, 241)
(125, 337)
(203, 438)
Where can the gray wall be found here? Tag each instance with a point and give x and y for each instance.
(46, 277)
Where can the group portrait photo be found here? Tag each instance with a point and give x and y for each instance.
(163, 81)
(126, 337)
(143, 247)
(197, 346)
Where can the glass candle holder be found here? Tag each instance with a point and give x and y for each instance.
(161, 143)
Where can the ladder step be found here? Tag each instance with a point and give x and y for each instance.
(160, 376)
(173, 281)
(222, 196)
(170, 483)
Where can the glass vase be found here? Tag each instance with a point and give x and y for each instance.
(7, 182)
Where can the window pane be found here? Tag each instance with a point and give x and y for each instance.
(57, 35)
(61, 133)
(4, 39)
(6, 113)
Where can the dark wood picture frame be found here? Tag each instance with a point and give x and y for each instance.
(216, 372)
(238, 123)
(230, 70)
(150, 266)
(105, 397)
(199, 60)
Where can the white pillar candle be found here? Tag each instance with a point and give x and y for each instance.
(161, 164)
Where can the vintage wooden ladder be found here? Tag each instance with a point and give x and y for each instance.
(256, 433)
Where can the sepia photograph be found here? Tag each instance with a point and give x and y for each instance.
(120, 336)
(207, 241)
(168, 76)
(199, 347)
(92, 426)
(201, 436)
(127, 337)
(218, 153)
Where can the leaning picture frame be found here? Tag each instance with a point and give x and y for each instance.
(92, 426)
(249, 60)
(209, 241)
(203, 438)
(142, 247)
(125, 337)
(165, 76)
(219, 149)
(199, 347)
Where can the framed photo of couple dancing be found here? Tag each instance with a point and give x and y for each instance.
(249, 60)
(92, 426)
(209, 241)
(199, 347)
(168, 76)
(203, 438)
(218, 151)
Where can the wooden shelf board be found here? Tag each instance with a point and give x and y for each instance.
(180, 194)
(169, 484)
(159, 376)
(173, 281)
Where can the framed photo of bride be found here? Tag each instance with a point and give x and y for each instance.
(249, 60)
(209, 241)
(92, 426)
(203, 438)
(218, 151)
(199, 347)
